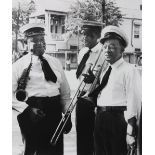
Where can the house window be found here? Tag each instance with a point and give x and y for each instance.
(51, 28)
(137, 49)
(63, 29)
(73, 47)
(136, 31)
(62, 21)
(56, 29)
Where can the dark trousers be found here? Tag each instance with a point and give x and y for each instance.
(110, 133)
(85, 118)
(37, 135)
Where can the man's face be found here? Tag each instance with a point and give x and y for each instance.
(90, 39)
(39, 45)
(113, 50)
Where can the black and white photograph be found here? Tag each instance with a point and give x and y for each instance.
(76, 77)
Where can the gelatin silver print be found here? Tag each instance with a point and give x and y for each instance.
(76, 77)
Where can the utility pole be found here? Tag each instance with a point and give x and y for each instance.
(103, 12)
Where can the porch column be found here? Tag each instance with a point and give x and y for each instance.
(47, 24)
(65, 60)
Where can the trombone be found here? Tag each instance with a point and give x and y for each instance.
(88, 96)
(71, 106)
(67, 114)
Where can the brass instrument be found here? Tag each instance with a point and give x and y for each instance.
(21, 94)
(71, 107)
(67, 114)
(93, 86)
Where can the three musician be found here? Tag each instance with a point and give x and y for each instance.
(106, 114)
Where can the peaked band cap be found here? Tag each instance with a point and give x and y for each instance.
(32, 29)
(114, 32)
(88, 26)
(87, 23)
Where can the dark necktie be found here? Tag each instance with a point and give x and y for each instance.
(103, 83)
(82, 64)
(48, 72)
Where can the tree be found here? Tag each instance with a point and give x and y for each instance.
(93, 10)
(111, 14)
(20, 16)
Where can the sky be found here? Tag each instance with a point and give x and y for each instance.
(122, 3)
(131, 8)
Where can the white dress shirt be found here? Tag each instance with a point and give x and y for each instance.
(37, 85)
(94, 55)
(123, 88)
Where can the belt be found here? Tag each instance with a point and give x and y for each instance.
(39, 100)
(112, 108)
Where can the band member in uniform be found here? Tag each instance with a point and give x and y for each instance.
(85, 116)
(119, 91)
(39, 83)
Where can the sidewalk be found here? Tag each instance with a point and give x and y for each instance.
(69, 139)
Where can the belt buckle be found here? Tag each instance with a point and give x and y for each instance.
(104, 108)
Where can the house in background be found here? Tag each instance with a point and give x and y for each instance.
(132, 25)
(65, 46)
(59, 43)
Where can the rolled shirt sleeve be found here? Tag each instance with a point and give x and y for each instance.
(133, 93)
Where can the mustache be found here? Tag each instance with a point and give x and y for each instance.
(107, 53)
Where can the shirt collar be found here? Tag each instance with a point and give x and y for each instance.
(36, 57)
(117, 63)
(95, 48)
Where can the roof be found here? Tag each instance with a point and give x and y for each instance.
(31, 25)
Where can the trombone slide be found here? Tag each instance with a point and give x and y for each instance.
(72, 104)
(60, 128)
(67, 114)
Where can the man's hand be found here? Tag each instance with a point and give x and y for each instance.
(131, 144)
(131, 133)
(36, 114)
(130, 140)
(89, 78)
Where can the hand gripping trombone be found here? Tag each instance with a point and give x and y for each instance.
(132, 150)
(63, 121)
